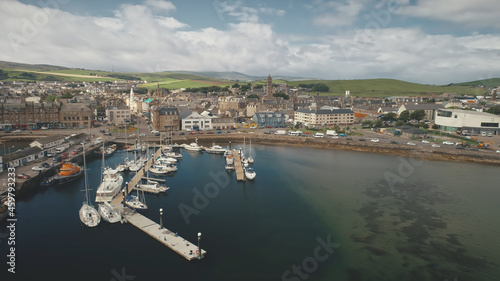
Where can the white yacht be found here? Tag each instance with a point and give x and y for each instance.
(216, 149)
(108, 213)
(153, 187)
(123, 166)
(193, 146)
(135, 165)
(173, 154)
(250, 173)
(110, 186)
(162, 169)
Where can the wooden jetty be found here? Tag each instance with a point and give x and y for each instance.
(168, 238)
(238, 166)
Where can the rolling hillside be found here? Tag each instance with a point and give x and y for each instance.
(11, 71)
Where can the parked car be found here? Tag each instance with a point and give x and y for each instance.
(23, 176)
(45, 165)
(50, 154)
(361, 140)
(349, 138)
(17, 131)
(410, 143)
(181, 133)
(44, 128)
(375, 140)
(435, 145)
(218, 132)
(425, 141)
(64, 155)
(107, 134)
(448, 143)
(394, 142)
(37, 168)
(498, 151)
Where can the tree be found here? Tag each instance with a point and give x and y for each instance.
(3, 75)
(435, 127)
(367, 123)
(494, 110)
(258, 86)
(245, 88)
(50, 98)
(235, 85)
(283, 95)
(297, 126)
(404, 116)
(399, 123)
(391, 116)
(417, 115)
(320, 87)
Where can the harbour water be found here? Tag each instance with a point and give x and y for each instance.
(337, 215)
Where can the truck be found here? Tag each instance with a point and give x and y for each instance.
(280, 132)
(331, 133)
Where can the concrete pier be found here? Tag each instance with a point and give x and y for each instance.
(168, 238)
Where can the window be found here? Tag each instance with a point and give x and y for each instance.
(492, 125)
(444, 113)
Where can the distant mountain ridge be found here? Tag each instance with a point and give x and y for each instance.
(238, 76)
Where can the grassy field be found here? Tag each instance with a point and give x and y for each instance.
(15, 75)
(386, 88)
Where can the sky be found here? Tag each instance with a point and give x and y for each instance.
(424, 41)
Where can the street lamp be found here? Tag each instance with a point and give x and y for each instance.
(161, 214)
(199, 249)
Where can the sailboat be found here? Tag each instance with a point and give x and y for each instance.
(124, 165)
(136, 202)
(108, 213)
(88, 214)
(250, 173)
(250, 158)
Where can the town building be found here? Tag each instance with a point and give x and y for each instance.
(193, 121)
(75, 115)
(429, 109)
(470, 121)
(165, 119)
(269, 119)
(118, 115)
(321, 117)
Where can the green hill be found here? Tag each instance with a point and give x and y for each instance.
(386, 88)
(489, 83)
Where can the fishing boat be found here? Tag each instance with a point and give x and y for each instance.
(229, 161)
(108, 213)
(215, 149)
(69, 172)
(88, 214)
(250, 173)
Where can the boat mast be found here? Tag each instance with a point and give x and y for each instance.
(87, 201)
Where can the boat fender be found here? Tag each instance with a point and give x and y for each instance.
(197, 252)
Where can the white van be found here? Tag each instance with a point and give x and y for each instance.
(60, 149)
(319, 135)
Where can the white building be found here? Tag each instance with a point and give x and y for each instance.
(191, 120)
(474, 122)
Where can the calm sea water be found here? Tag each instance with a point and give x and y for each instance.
(386, 218)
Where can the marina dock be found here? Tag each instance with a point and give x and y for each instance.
(168, 238)
(238, 167)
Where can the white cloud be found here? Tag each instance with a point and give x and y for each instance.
(478, 13)
(162, 5)
(335, 14)
(135, 39)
